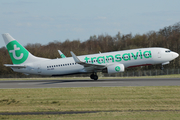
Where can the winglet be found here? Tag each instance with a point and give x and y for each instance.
(76, 59)
(61, 54)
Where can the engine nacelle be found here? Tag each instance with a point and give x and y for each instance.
(115, 68)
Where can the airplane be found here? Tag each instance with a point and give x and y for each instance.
(109, 62)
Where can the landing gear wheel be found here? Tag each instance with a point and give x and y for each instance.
(94, 76)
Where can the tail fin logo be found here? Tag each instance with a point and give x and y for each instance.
(17, 52)
(14, 53)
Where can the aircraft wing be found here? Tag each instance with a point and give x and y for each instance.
(88, 66)
(15, 66)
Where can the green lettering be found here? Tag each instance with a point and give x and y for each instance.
(118, 58)
(135, 56)
(110, 56)
(126, 57)
(140, 54)
(93, 59)
(149, 54)
(100, 58)
(86, 58)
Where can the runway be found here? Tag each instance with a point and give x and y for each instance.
(89, 83)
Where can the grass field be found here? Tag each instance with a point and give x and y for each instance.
(130, 101)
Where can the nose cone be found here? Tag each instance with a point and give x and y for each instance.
(175, 55)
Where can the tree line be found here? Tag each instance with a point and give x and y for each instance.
(168, 37)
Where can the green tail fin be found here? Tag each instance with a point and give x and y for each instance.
(16, 51)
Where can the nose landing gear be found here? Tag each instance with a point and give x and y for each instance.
(94, 76)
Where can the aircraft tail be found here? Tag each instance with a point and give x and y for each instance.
(18, 54)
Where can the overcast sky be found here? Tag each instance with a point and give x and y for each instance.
(43, 21)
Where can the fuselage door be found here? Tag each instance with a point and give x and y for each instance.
(159, 54)
(39, 68)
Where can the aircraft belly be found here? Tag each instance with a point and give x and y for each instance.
(138, 63)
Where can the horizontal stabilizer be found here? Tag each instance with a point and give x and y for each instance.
(15, 66)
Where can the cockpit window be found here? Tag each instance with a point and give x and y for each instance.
(167, 51)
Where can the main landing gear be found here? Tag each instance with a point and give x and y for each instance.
(94, 76)
(162, 68)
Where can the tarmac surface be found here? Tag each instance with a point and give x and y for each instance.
(89, 83)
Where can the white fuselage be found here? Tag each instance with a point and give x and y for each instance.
(131, 58)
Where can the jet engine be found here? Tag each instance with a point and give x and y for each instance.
(115, 68)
